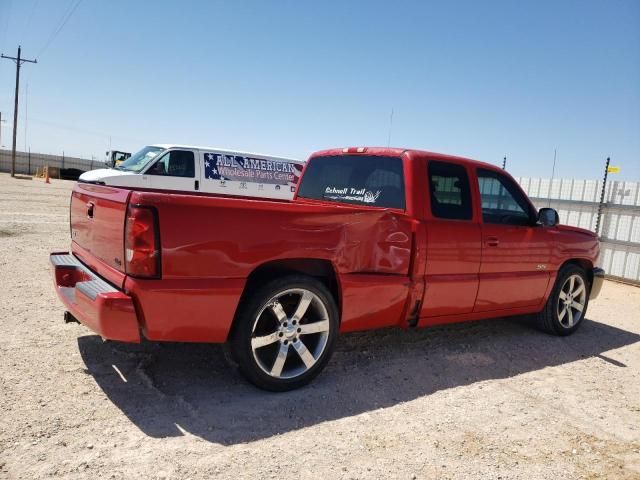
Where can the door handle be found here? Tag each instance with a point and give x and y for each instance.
(493, 241)
(90, 206)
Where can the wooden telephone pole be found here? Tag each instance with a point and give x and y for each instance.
(19, 61)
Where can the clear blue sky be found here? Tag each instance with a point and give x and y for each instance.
(477, 78)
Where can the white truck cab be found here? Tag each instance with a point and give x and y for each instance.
(203, 169)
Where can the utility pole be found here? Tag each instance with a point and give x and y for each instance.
(0, 133)
(1, 129)
(26, 114)
(504, 163)
(19, 61)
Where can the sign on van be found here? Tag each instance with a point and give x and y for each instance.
(248, 173)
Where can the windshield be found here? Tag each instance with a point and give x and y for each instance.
(371, 180)
(140, 159)
(120, 156)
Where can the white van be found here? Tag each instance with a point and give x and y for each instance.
(203, 169)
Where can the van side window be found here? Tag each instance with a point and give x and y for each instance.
(449, 191)
(176, 163)
(502, 202)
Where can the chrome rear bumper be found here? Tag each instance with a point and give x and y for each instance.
(95, 303)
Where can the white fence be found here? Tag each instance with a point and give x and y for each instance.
(577, 204)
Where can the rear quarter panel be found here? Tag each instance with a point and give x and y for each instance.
(212, 237)
(210, 245)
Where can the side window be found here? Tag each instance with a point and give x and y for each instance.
(449, 191)
(176, 163)
(502, 202)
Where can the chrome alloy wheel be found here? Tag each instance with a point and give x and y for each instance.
(571, 301)
(290, 333)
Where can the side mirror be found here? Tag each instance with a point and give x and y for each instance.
(548, 217)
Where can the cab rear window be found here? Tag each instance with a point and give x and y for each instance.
(357, 179)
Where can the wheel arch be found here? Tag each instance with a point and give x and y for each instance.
(322, 270)
(584, 263)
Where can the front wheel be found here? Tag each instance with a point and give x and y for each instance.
(567, 305)
(285, 333)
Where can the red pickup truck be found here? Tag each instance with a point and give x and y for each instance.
(375, 237)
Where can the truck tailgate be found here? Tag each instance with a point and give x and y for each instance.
(98, 216)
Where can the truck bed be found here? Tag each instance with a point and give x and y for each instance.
(210, 245)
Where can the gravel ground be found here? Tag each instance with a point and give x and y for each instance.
(492, 399)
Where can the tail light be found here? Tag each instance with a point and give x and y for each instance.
(142, 242)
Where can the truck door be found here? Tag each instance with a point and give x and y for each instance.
(175, 170)
(453, 242)
(515, 251)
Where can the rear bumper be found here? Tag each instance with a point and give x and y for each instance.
(95, 303)
(596, 286)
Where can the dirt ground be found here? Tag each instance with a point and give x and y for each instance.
(493, 399)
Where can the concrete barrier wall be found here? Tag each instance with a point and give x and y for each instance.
(28, 163)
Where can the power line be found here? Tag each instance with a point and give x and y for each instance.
(33, 11)
(65, 19)
(4, 25)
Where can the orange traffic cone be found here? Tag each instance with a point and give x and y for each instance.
(46, 175)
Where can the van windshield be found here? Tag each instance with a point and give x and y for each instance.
(371, 180)
(140, 159)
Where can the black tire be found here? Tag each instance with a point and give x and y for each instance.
(548, 320)
(257, 318)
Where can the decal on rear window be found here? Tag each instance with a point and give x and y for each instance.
(351, 194)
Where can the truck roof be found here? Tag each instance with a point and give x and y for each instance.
(226, 150)
(393, 151)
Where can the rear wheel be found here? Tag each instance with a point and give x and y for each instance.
(285, 333)
(567, 305)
